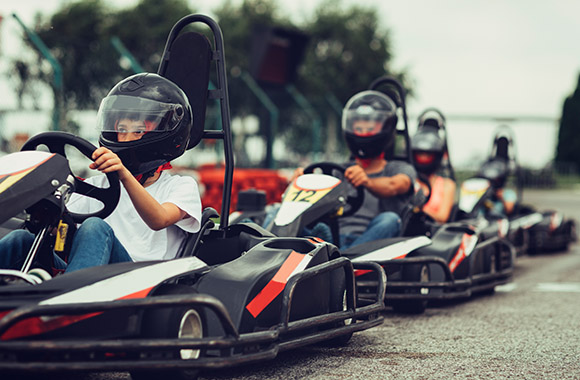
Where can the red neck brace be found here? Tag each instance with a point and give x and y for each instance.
(366, 162)
(165, 166)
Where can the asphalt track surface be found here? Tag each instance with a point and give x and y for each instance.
(528, 329)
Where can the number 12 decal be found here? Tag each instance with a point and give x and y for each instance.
(302, 196)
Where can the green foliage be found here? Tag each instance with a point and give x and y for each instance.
(79, 36)
(568, 149)
(144, 29)
(347, 49)
(76, 36)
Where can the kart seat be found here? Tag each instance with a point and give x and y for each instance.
(214, 248)
(186, 62)
(191, 242)
(446, 241)
(502, 148)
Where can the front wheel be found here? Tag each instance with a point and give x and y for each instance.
(414, 273)
(179, 322)
(338, 302)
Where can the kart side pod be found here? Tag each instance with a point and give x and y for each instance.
(251, 286)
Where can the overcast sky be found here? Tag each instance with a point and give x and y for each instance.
(465, 57)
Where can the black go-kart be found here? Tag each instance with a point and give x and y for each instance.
(530, 230)
(235, 293)
(428, 261)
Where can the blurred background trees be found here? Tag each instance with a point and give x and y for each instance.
(344, 50)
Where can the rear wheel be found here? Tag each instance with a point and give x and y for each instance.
(414, 273)
(181, 322)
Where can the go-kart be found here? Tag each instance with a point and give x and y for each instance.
(455, 260)
(234, 294)
(530, 230)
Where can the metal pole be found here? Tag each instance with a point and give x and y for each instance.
(56, 68)
(274, 113)
(316, 121)
(120, 47)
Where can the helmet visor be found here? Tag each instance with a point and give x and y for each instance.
(133, 115)
(424, 158)
(365, 121)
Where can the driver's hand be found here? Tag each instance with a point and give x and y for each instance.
(297, 173)
(356, 176)
(106, 161)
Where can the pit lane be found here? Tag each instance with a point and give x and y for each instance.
(529, 329)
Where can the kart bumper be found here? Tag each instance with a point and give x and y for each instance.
(126, 354)
(449, 287)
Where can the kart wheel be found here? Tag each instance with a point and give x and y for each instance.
(492, 264)
(180, 322)
(338, 302)
(414, 273)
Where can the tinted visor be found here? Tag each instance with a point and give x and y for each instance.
(124, 114)
(365, 121)
(424, 158)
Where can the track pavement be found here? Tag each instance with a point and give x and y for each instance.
(528, 329)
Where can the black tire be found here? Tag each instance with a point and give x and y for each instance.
(170, 323)
(413, 273)
(338, 302)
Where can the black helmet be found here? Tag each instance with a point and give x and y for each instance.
(154, 108)
(496, 171)
(369, 121)
(428, 148)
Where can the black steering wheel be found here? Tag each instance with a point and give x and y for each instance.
(330, 168)
(423, 198)
(56, 141)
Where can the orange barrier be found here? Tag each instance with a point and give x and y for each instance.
(211, 177)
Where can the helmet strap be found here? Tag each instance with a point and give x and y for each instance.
(142, 178)
(366, 162)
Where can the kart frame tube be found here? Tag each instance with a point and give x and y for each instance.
(272, 339)
(372, 311)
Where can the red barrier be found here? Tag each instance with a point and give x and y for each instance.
(211, 178)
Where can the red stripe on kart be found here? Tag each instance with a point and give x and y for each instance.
(360, 272)
(38, 325)
(140, 294)
(460, 254)
(276, 284)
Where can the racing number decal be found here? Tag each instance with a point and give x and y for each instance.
(294, 263)
(301, 195)
(296, 194)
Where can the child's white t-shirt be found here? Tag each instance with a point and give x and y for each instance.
(141, 242)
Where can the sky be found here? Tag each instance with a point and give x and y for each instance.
(492, 58)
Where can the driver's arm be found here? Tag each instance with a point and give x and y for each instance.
(382, 187)
(156, 215)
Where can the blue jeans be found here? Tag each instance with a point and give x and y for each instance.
(94, 244)
(383, 226)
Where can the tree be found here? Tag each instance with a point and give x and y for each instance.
(346, 51)
(568, 149)
(79, 36)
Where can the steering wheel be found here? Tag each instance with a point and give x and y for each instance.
(424, 198)
(56, 141)
(329, 168)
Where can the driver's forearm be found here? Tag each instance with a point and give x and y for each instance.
(154, 214)
(384, 187)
